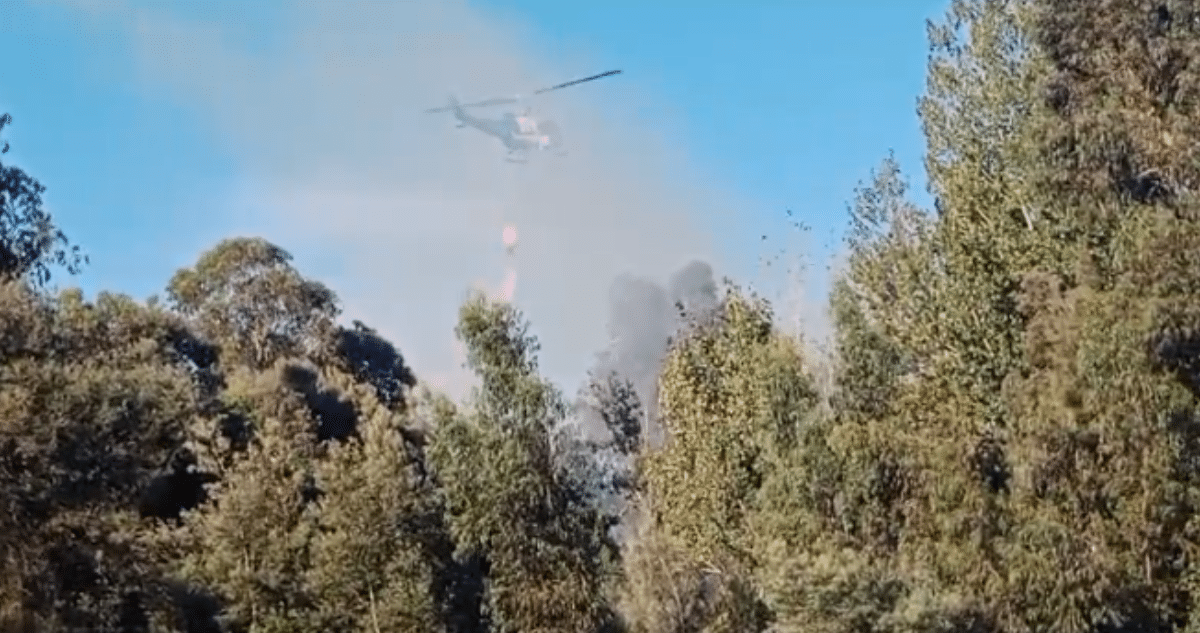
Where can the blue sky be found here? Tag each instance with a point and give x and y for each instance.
(160, 128)
(792, 100)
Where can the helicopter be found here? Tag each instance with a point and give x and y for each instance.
(520, 133)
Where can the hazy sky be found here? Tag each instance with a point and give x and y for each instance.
(160, 128)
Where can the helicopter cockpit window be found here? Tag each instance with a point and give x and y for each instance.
(525, 125)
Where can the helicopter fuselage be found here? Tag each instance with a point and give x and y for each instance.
(519, 134)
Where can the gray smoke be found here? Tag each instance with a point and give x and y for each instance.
(320, 110)
(643, 316)
(694, 290)
(617, 409)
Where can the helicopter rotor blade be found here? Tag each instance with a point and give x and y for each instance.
(578, 81)
(490, 102)
(477, 104)
(510, 100)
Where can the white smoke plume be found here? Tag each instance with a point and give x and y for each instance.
(319, 106)
(321, 109)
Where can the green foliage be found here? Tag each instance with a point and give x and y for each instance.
(320, 520)
(252, 545)
(722, 399)
(377, 524)
(246, 297)
(29, 241)
(1010, 444)
(310, 535)
(734, 395)
(507, 502)
(1013, 418)
(372, 359)
(93, 406)
(667, 591)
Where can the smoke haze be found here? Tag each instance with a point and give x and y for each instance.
(402, 211)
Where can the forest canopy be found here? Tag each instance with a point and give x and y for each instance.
(1008, 440)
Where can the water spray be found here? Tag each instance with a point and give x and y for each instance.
(509, 235)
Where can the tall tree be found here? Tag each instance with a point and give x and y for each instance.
(1106, 424)
(542, 544)
(94, 406)
(321, 468)
(1042, 419)
(246, 296)
(733, 394)
(251, 545)
(379, 531)
(29, 242)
